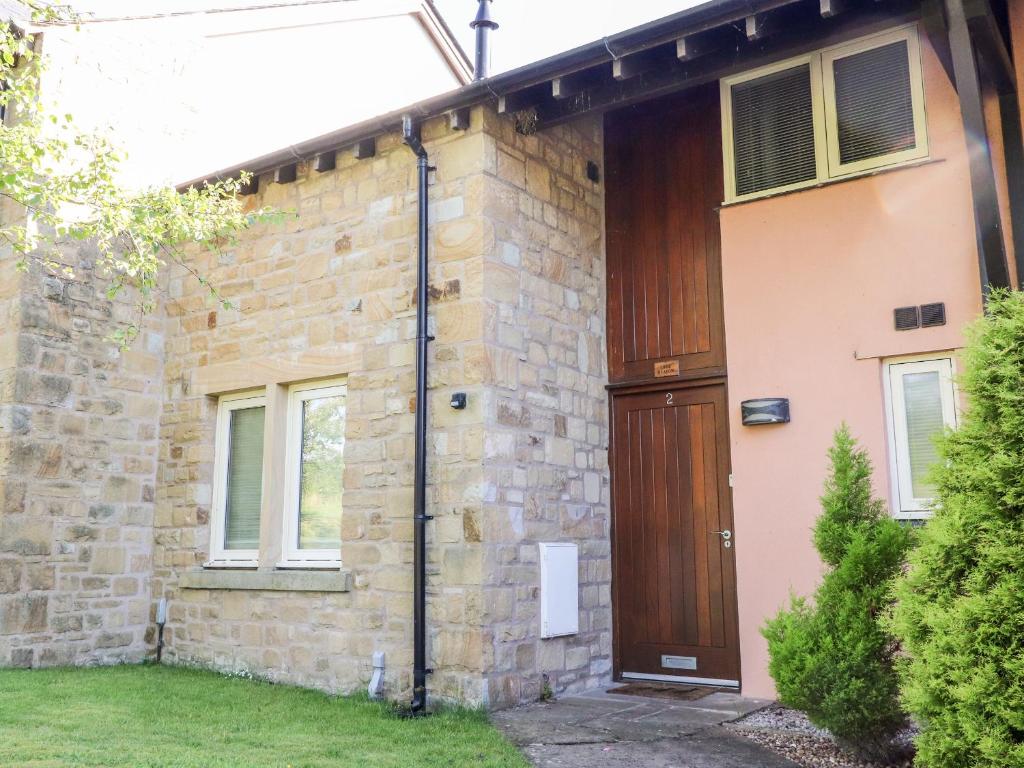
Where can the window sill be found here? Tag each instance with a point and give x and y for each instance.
(236, 564)
(270, 581)
(811, 186)
(308, 565)
(913, 517)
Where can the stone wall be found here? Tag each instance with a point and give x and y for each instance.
(78, 429)
(329, 293)
(107, 457)
(517, 310)
(546, 457)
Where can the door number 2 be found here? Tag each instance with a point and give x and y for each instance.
(668, 398)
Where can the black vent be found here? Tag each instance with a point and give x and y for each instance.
(773, 131)
(906, 318)
(933, 314)
(874, 107)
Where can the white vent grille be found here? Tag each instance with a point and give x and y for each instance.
(773, 131)
(874, 104)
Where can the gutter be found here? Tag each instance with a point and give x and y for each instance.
(687, 22)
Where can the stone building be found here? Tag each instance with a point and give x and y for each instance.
(595, 238)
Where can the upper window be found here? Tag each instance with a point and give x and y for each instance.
(921, 403)
(313, 475)
(836, 112)
(238, 480)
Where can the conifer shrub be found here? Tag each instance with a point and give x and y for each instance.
(830, 656)
(959, 613)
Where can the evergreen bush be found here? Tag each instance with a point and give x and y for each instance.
(960, 607)
(831, 657)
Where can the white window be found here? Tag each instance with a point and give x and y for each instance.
(837, 112)
(238, 481)
(314, 470)
(921, 402)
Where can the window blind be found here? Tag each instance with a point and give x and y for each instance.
(773, 130)
(245, 479)
(874, 104)
(922, 398)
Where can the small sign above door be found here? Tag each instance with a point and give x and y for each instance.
(666, 368)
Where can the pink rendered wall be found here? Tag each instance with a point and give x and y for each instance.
(810, 282)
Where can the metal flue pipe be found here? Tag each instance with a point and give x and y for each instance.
(483, 24)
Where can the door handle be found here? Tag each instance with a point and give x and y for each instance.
(726, 537)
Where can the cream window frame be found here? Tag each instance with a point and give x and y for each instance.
(291, 555)
(824, 116)
(817, 116)
(220, 557)
(907, 33)
(905, 506)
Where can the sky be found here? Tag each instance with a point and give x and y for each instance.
(528, 29)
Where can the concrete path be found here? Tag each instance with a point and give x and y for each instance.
(607, 730)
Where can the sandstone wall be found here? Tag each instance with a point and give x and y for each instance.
(106, 458)
(78, 429)
(331, 292)
(517, 310)
(546, 454)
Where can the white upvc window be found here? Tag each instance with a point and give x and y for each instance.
(838, 112)
(314, 469)
(920, 404)
(238, 481)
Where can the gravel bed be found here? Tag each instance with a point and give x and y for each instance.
(789, 733)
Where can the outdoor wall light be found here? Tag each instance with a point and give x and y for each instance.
(765, 410)
(458, 401)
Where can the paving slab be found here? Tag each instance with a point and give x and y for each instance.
(608, 730)
(711, 748)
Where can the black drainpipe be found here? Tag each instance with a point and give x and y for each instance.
(411, 136)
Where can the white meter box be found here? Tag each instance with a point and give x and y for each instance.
(559, 590)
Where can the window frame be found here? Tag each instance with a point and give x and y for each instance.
(825, 118)
(291, 555)
(905, 506)
(220, 557)
(837, 169)
(817, 112)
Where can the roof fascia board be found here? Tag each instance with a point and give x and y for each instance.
(345, 10)
(445, 40)
(225, 23)
(18, 15)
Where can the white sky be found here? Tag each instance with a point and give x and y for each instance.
(529, 29)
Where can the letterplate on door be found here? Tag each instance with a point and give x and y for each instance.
(679, 662)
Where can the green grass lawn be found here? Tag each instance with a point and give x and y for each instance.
(164, 716)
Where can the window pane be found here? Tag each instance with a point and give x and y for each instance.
(773, 130)
(245, 479)
(874, 107)
(922, 399)
(323, 443)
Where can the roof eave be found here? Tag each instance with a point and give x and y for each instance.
(690, 21)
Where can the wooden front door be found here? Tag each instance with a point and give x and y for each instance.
(674, 576)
